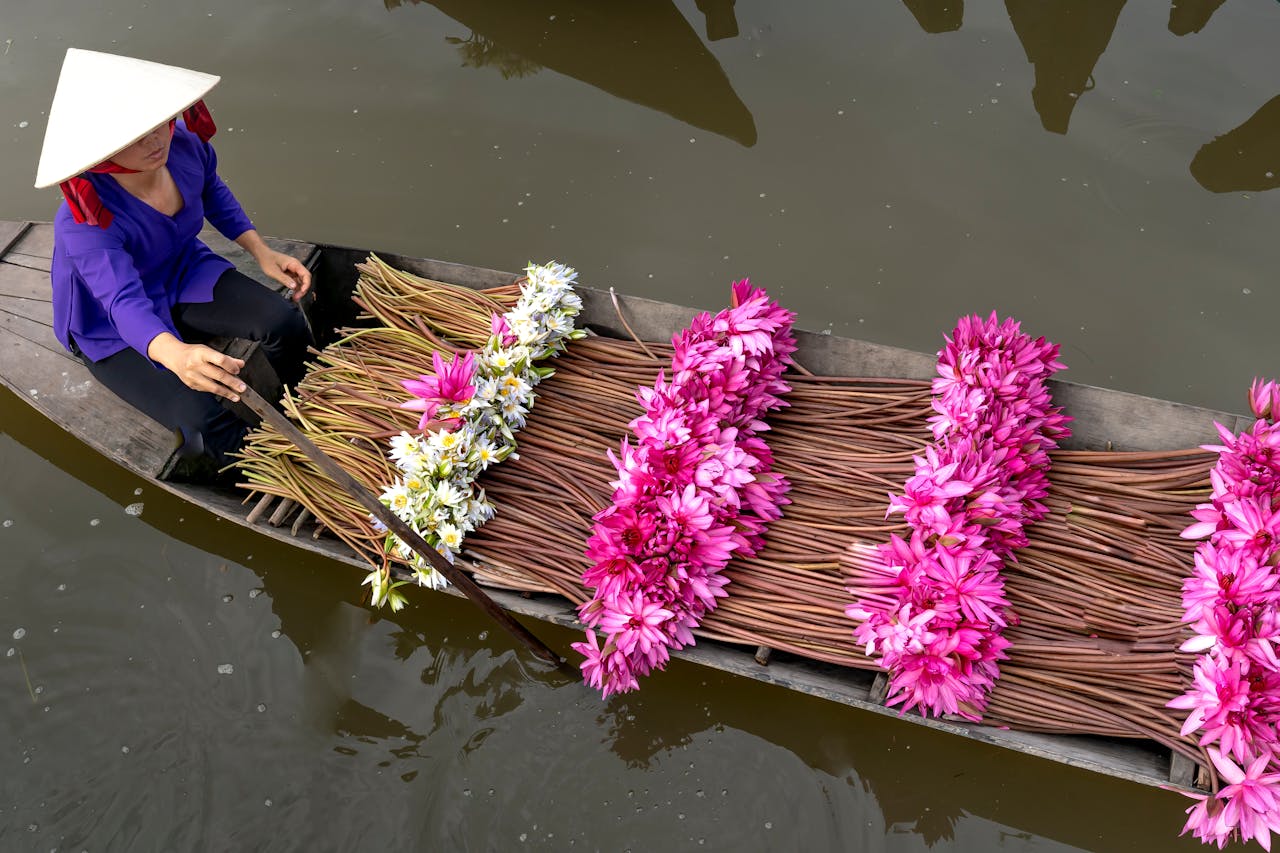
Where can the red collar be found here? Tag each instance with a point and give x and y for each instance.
(83, 199)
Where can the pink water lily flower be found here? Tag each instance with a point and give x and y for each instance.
(1264, 398)
(1252, 797)
(453, 384)
(932, 607)
(695, 489)
(1230, 601)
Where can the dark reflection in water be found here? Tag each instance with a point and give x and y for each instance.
(479, 52)
(1247, 158)
(1191, 16)
(722, 23)
(937, 16)
(644, 52)
(1064, 41)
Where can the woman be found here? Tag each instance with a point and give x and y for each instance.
(135, 291)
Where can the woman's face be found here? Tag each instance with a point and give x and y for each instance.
(147, 154)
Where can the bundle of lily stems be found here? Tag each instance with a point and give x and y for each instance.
(1095, 596)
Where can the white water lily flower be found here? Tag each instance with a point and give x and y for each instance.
(527, 331)
(486, 391)
(479, 511)
(376, 582)
(500, 361)
(402, 445)
(450, 537)
(483, 454)
(514, 413)
(397, 498)
(558, 324)
(450, 495)
(426, 576)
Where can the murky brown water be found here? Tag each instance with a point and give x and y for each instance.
(1099, 170)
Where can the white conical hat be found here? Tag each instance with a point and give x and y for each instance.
(105, 103)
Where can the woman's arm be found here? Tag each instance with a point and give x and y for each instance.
(224, 212)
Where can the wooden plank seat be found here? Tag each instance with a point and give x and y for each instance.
(63, 388)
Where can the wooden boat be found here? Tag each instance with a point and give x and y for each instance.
(35, 366)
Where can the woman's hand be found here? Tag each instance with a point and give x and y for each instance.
(288, 271)
(198, 366)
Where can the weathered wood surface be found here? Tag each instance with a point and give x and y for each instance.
(34, 364)
(10, 233)
(61, 388)
(37, 310)
(24, 282)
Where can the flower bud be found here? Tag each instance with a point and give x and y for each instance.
(1262, 398)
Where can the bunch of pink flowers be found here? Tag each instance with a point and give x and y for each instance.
(1230, 601)
(694, 489)
(933, 606)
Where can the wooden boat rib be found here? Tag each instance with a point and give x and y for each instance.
(34, 366)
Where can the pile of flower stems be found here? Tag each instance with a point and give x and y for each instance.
(1095, 595)
(348, 401)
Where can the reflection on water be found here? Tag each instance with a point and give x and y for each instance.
(1191, 16)
(1064, 41)
(644, 52)
(479, 52)
(722, 23)
(937, 16)
(1247, 158)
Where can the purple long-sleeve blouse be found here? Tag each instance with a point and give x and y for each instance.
(115, 287)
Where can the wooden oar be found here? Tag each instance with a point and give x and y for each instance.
(285, 427)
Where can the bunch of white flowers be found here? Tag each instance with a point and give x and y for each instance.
(436, 493)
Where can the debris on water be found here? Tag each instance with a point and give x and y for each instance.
(484, 635)
(62, 587)
(94, 522)
(226, 669)
(275, 635)
(137, 491)
(228, 598)
(8, 522)
(19, 633)
(262, 708)
(1246, 291)
(22, 124)
(124, 750)
(267, 802)
(254, 593)
(134, 509)
(12, 651)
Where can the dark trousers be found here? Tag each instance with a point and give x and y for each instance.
(241, 308)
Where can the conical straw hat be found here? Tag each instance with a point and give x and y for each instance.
(105, 103)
